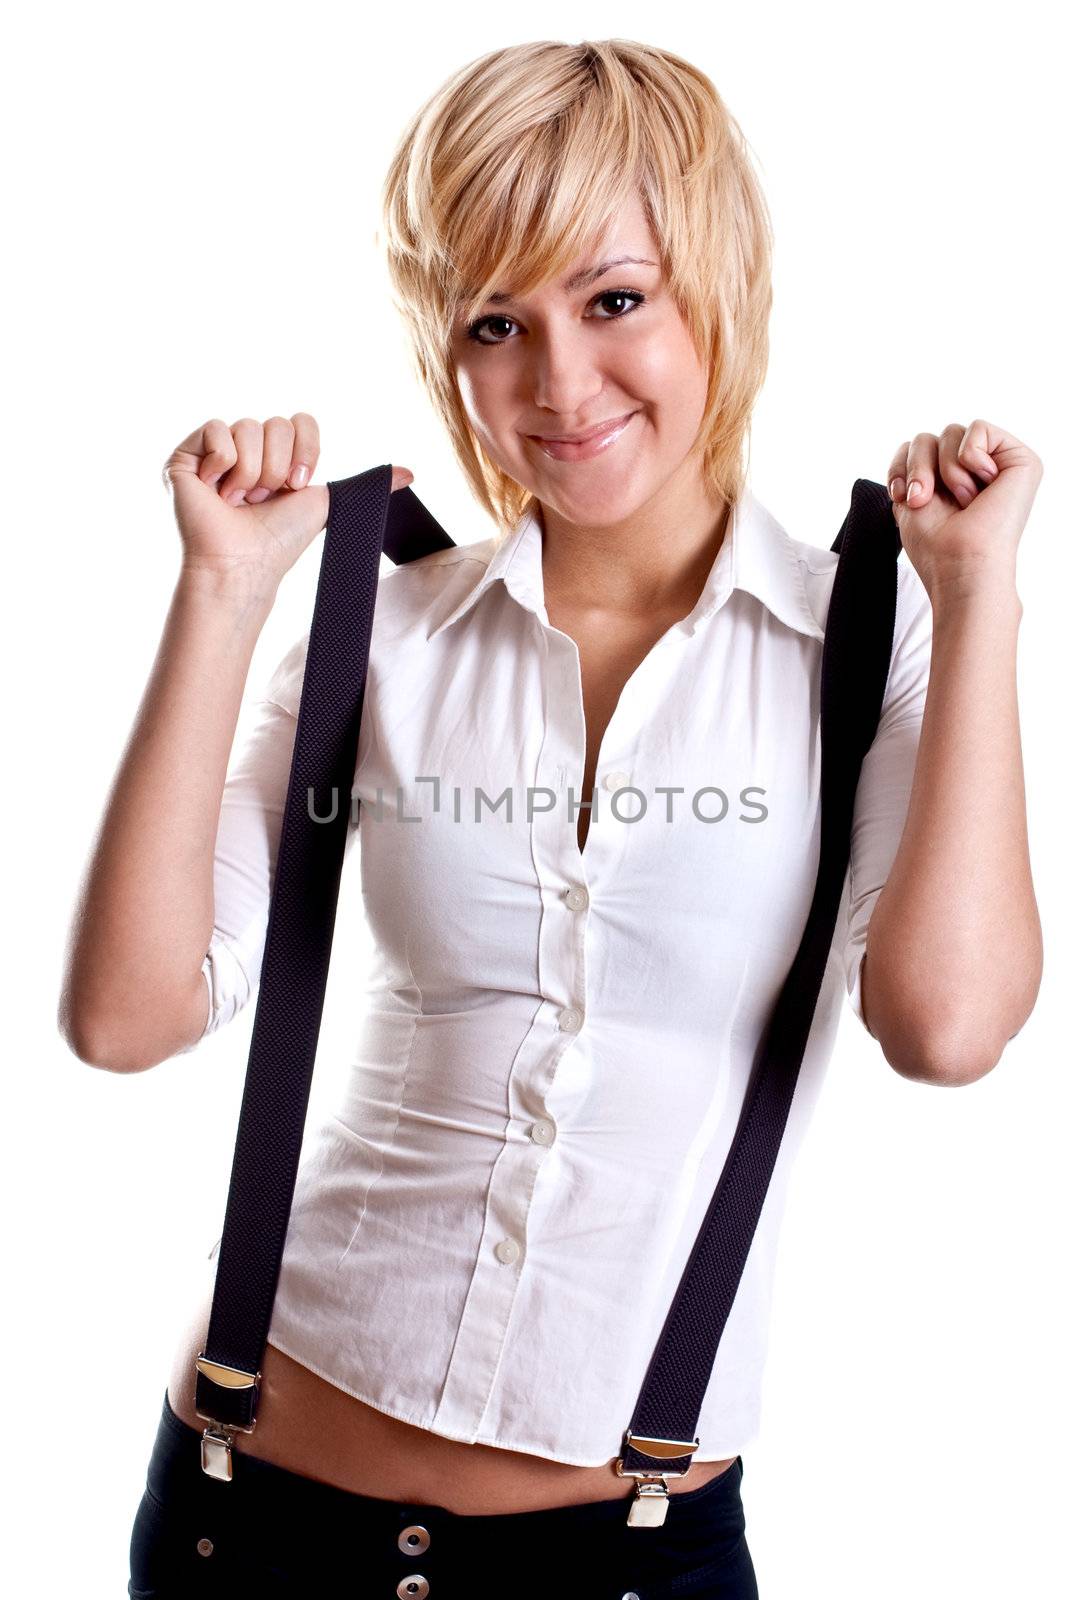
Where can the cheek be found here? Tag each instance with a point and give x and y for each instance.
(468, 392)
(483, 397)
(663, 370)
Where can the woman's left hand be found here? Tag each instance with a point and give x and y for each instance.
(965, 520)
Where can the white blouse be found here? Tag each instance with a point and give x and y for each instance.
(489, 1228)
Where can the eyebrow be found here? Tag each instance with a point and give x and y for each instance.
(581, 280)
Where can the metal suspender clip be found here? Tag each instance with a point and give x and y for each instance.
(216, 1445)
(648, 1508)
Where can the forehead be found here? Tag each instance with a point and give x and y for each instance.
(582, 277)
(627, 239)
(628, 234)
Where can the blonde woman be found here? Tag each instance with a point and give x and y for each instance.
(488, 1231)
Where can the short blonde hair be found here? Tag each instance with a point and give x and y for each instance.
(516, 167)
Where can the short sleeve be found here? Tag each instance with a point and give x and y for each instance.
(246, 846)
(884, 789)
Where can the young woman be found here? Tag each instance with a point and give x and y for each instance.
(487, 1234)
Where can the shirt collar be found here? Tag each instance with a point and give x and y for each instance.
(756, 555)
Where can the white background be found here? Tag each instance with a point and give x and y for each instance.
(191, 200)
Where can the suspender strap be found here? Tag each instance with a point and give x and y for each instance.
(856, 651)
(364, 519)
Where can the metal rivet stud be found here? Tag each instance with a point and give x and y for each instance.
(204, 1546)
(414, 1540)
(414, 1587)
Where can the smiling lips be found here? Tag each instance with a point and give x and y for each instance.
(598, 440)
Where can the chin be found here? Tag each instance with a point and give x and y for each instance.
(601, 503)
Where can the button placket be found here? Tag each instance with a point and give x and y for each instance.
(498, 1270)
(563, 963)
(555, 846)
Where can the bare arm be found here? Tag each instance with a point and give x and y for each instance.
(133, 992)
(955, 946)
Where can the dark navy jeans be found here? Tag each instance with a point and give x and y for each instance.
(278, 1535)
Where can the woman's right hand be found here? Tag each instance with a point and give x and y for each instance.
(277, 512)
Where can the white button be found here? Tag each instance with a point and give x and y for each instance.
(577, 897)
(507, 1250)
(615, 780)
(542, 1133)
(570, 1020)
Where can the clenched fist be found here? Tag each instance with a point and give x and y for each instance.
(961, 499)
(243, 495)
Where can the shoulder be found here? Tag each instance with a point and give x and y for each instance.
(437, 571)
(816, 566)
(407, 594)
(420, 592)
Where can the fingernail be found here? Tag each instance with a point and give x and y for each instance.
(896, 488)
(914, 490)
(256, 495)
(235, 497)
(298, 476)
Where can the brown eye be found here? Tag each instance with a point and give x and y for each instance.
(474, 328)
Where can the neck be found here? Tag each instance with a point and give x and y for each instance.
(656, 560)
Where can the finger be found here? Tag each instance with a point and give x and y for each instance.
(220, 452)
(975, 446)
(921, 469)
(278, 433)
(898, 468)
(955, 477)
(248, 437)
(402, 476)
(305, 449)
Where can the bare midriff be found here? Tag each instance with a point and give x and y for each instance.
(310, 1426)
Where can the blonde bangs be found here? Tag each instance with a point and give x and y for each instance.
(516, 168)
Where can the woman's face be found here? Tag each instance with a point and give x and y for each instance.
(569, 357)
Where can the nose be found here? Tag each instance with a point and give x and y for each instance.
(565, 379)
